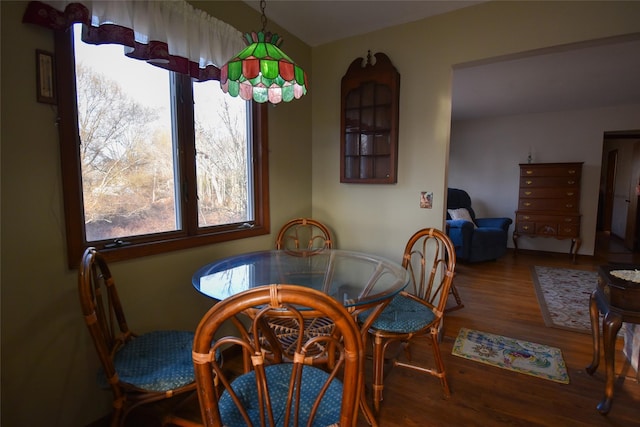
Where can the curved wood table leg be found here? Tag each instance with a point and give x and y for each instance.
(595, 333)
(619, 300)
(611, 326)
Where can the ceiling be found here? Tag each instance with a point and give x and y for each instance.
(581, 76)
(317, 22)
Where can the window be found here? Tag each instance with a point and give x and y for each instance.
(152, 160)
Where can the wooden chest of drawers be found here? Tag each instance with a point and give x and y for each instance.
(549, 202)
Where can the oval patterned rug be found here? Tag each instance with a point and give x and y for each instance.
(563, 296)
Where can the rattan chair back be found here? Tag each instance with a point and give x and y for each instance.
(294, 392)
(430, 259)
(304, 233)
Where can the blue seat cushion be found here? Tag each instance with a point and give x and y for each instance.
(278, 377)
(156, 361)
(402, 315)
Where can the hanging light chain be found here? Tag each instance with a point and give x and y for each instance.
(263, 4)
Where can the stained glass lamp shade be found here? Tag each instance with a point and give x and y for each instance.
(263, 72)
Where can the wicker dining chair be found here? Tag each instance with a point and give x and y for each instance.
(417, 312)
(304, 233)
(284, 393)
(138, 369)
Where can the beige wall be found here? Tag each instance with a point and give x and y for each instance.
(48, 362)
(484, 156)
(382, 217)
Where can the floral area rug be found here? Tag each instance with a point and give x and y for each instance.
(515, 355)
(563, 295)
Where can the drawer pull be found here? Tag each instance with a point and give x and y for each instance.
(570, 193)
(572, 171)
(529, 172)
(528, 182)
(569, 205)
(568, 220)
(571, 182)
(527, 217)
(527, 204)
(528, 193)
(526, 227)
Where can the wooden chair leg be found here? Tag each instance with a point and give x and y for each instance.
(456, 295)
(440, 365)
(191, 401)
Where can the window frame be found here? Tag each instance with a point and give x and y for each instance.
(191, 235)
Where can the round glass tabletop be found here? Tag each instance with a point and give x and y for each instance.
(353, 278)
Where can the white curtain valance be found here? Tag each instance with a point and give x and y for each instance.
(171, 34)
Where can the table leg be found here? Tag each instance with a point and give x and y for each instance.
(595, 333)
(611, 326)
(368, 413)
(378, 368)
(364, 330)
(364, 405)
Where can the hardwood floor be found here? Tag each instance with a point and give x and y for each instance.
(499, 298)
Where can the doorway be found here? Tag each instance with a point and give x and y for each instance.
(618, 208)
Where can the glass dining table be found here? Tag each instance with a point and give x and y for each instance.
(354, 278)
(360, 281)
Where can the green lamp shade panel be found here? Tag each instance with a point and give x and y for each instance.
(263, 72)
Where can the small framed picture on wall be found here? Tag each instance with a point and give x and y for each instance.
(45, 81)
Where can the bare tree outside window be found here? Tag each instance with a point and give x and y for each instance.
(126, 157)
(221, 156)
(128, 148)
(151, 160)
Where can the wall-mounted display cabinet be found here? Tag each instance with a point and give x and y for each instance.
(369, 122)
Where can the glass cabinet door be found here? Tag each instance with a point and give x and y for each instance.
(369, 122)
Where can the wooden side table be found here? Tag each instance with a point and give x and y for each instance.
(619, 301)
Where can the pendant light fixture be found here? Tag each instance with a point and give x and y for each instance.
(262, 71)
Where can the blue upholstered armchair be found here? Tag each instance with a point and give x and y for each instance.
(475, 239)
